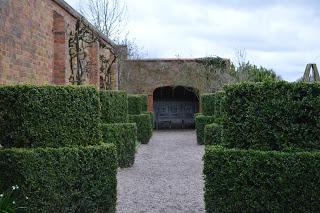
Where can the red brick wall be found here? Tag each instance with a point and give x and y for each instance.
(59, 57)
(34, 43)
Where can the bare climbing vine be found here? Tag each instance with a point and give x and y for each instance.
(81, 38)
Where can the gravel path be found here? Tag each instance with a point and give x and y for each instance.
(166, 176)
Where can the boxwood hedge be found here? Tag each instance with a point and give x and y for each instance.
(62, 179)
(144, 126)
(213, 134)
(201, 121)
(213, 104)
(272, 116)
(124, 136)
(261, 181)
(151, 117)
(135, 104)
(114, 106)
(49, 116)
(144, 99)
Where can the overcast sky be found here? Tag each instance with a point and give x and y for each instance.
(279, 34)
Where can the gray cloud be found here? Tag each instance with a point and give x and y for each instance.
(278, 34)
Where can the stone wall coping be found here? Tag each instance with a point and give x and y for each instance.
(64, 5)
(167, 60)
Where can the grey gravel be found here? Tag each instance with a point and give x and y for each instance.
(166, 176)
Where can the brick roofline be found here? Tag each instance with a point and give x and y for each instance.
(168, 59)
(77, 15)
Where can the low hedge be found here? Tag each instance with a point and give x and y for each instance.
(124, 136)
(49, 116)
(272, 116)
(256, 181)
(62, 179)
(144, 127)
(201, 121)
(213, 134)
(114, 106)
(135, 104)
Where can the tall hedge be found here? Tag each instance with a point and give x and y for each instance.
(144, 99)
(135, 104)
(201, 121)
(213, 104)
(144, 126)
(208, 103)
(114, 106)
(49, 116)
(256, 181)
(272, 116)
(124, 136)
(213, 134)
(151, 117)
(62, 179)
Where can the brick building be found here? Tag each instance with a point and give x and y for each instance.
(36, 45)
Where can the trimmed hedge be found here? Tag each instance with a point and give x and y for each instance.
(208, 103)
(273, 116)
(144, 127)
(213, 134)
(213, 105)
(151, 117)
(49, 116)
(201, 121)
(62, 179)
(135, 104)
(255, 181)
(144, 99)
(114, 106)
(124, 136)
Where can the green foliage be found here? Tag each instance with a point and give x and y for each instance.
(49, 116)
(208, 103)
(144, 126)
(124, 136)
(7, 201)
(152, 118)
(213, 134)
(135, 104)
(214, 62)
(201, 121)
(255, 181)
(114, 106)
(144, 99)
(252, 73)
(272, 116)
(75, 179)
(213, 105)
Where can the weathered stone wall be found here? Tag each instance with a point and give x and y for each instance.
(145, 75)
(34, 43)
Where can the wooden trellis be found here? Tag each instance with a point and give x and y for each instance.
(315, 73)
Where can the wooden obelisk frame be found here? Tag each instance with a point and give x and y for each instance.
(315, 72)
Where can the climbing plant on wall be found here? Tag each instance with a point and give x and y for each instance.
(79, 40)
(205, 74)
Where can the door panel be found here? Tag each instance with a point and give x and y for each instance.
(175, 114)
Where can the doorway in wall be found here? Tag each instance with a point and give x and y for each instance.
(174, 107)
